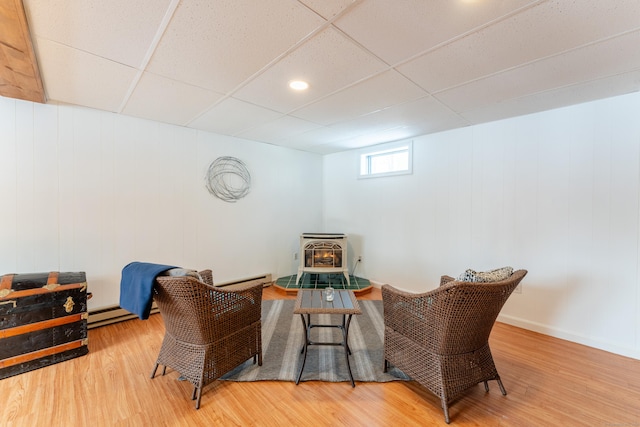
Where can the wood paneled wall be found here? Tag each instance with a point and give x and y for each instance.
(19, 72)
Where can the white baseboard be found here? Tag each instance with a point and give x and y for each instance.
(569, 336)
(376, 284)
(265, 279)
(558, 333)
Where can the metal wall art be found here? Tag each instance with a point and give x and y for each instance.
(228, 179)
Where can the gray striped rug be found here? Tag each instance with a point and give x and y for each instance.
(282, 340)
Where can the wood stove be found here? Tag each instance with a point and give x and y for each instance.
(322, 253)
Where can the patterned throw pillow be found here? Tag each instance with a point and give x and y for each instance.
(485, 276)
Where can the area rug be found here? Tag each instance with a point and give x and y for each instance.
(283, 338)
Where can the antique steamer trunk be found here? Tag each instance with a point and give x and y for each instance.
(43, 320)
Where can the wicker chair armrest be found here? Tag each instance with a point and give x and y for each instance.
(240, 306)
(446, 279)
(411, 315)
(207, 276)
(250, 292)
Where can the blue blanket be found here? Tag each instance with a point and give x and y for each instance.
(136, 286)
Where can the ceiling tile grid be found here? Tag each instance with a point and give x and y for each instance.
(328, 9)
(577, 66)
(233, 116)
(378, 70)
(117, 30)
(219, 44)
(397, 30)
(278, 129)
(329, 62)
(516, 41)
(556, 98)
(74, 76)
(169, 101)
(376, 93)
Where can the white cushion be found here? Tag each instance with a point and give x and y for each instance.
(181, 272)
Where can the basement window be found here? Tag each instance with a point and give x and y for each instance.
(386, 160)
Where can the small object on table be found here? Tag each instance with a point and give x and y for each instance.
(328, 291)
(310, 302)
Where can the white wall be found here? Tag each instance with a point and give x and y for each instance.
(83, 190)
(556, 193)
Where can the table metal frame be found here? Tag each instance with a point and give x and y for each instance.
(311, 302)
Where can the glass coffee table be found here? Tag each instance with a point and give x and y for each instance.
(314, 301)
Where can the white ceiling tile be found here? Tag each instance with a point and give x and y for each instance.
(326, 149)
(165, 100)
(395, 133)
(223, 65)
(77, 77)
(616, 56)
(381, 91)
(219, 44)
(232, 116)
(293, 142)
(283, 128)
(320, 135)
(346, 131)
(619, 84)
(396, 30)
(328, 62)
(422, 116)
(327, 8)
(119, 30)
(426, 113)
(560, 26)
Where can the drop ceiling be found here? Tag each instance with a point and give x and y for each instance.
(378, 70)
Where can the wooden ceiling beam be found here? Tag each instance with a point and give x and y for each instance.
(19, 73)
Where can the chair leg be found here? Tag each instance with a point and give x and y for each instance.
(486, 386)
(445, 408)
(386, 366)
(193, 395)
(260, 358)
(502, 389)
(155, 368)
(199, 395)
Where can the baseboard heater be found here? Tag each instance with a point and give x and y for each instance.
(264, 279)
(108, 315)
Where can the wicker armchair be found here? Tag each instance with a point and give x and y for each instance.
(208, 330)
(441, 338)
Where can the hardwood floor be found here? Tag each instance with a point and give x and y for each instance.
(550, 383)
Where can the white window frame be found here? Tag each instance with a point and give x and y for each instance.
(366, 154)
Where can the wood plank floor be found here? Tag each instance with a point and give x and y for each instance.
(550, 383)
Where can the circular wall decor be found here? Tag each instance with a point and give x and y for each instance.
(228, 179)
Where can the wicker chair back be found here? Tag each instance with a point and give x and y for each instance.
(208, 330)
(440, 338)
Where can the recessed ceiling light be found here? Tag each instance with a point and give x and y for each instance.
(298, 85)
